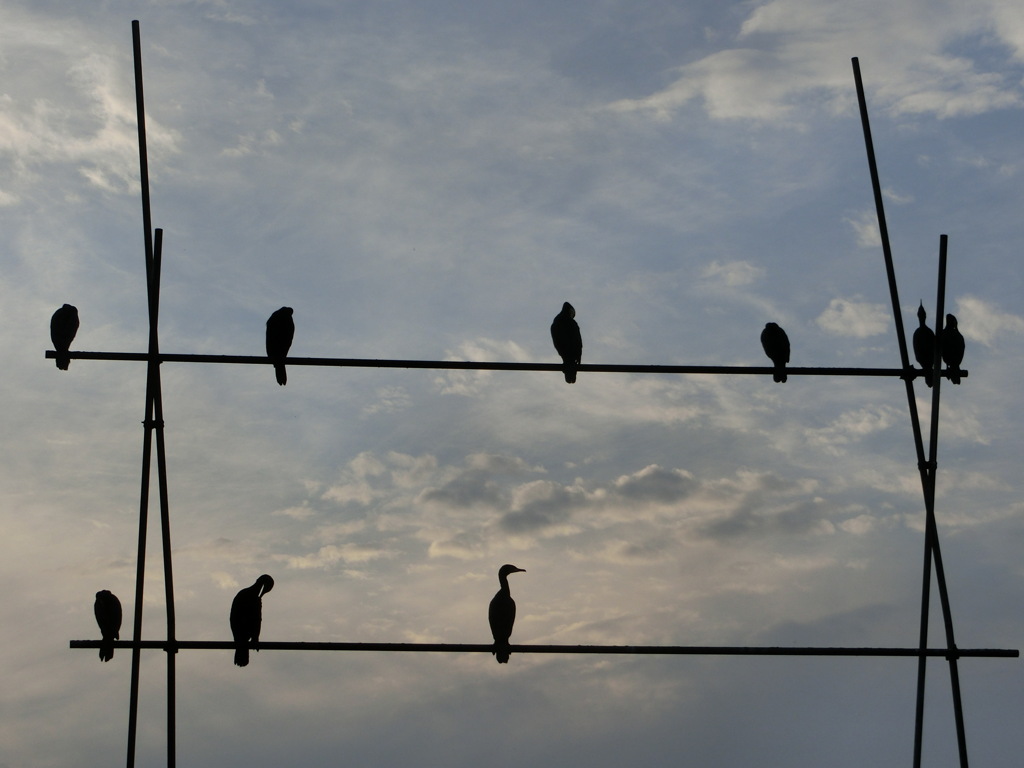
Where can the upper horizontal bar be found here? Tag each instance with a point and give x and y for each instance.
(493, 366)
(686, 650)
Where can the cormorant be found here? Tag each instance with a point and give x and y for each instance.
(568, 342)
(63, 327)
(924, 346)
(280, 331)
(502, 611)
(951, 342)
(247, 617)
(776, 346)
(108, 615)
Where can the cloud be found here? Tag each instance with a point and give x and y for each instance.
(89, 121)
(865, 226)
(787, 52)
(850, 317)
(470, 383)
(981, 321)
(853, 426)
(732, 273)
(652, 483)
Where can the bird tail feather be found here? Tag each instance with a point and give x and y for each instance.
(242, 656)
(282, 374)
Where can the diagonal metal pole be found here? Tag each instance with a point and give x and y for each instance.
(926, 469)
(153, 425)
(147, 443)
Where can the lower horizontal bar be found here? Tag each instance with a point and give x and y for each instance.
(675, 650)
(346, 362)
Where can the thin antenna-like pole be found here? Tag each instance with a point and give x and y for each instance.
(161, 469)
(883, 229)
(927, 470)
(153, 422)
(140, 575)
(140, 109)
(931, 527)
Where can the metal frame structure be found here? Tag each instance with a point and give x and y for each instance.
(153, 423)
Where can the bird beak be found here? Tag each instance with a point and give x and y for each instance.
(268, 584)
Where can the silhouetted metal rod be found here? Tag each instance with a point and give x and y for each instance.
(674, 650)
(927, 475)
(133, 699)
(349, 362)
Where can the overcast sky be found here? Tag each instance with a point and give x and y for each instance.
(429, 179)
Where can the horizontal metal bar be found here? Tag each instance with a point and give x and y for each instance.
(165, 357)
(677, 650)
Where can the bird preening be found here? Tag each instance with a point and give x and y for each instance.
(776, 345)
(247, 618)
(565, 333)
(951, 342)
(108, 615)
(502, 613)
(924, 346)
(63, 327)
(280, 332)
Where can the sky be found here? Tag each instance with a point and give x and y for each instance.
(431, 180)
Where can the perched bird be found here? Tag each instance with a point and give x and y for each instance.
(63, 327)
(247, 618)
(502, 612)
(108, 615)
(280, 331)
(568, 342)
(776, 346)
(924, 346)
(951, 342)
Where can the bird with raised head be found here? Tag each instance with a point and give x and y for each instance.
(247, 618)
(951, 342)
(924, 346)
(108, 615)
(280, 332)
(775, 343)
(63, 327)
(502, 614)
(565, 333)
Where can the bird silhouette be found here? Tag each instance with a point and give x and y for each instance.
(108, 615)
(247, 618)
(565, 333)
(280, 331)
(502, 613)
(63, 327)
(924, 346)
(951, 343)
(776, 346)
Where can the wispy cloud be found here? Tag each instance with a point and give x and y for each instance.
(853, 317)
(795, 52)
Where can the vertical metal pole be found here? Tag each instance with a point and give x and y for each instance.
(931, 529)
(140, 576)
(165, 521)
